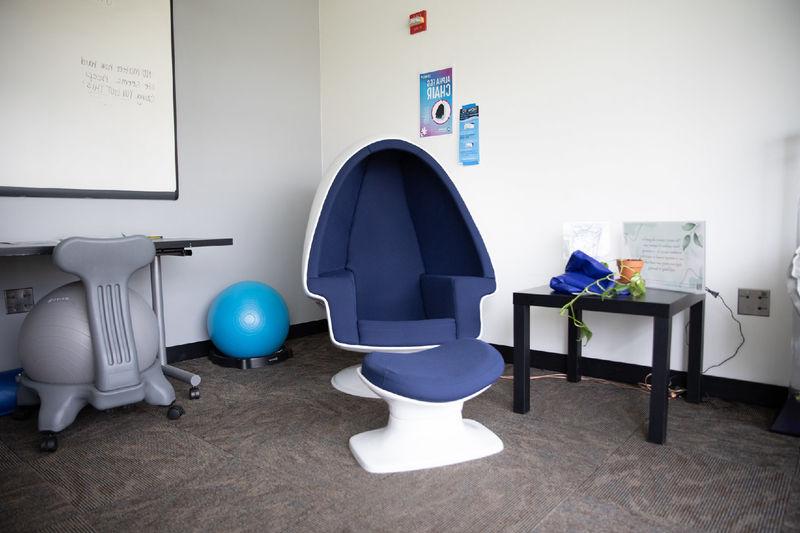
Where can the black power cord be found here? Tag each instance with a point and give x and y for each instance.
(717, 295)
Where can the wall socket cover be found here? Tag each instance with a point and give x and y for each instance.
(19, 300)
(753, 302)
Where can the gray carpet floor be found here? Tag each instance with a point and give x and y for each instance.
(266, 450)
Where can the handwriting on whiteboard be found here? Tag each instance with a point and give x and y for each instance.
(125, 82)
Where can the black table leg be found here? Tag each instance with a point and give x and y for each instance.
(662, 335)
(522, 358)
(694, 372)
(574, 349)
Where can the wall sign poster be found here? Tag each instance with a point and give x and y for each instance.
(468, 148)
(436, 103)
(674, 253)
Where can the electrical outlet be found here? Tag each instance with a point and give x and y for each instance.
(753, 302)
(19, 300)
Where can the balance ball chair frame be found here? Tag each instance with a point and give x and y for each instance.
(104, 266)
(394, 255)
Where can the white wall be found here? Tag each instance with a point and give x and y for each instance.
(247, 79)
(614, 110)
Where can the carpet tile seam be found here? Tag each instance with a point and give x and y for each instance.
(40, 468)
(795, 480)
(75, 511)
(619, 489)
(11, 451)
(589, 476)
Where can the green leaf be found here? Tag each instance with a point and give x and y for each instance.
(637, 286)
(689, 226)
(586, 333)
(697, 240)
(686, 240)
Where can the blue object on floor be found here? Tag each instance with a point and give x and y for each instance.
(8, 391)
(248, 319)
(581, 271)
(450, 372)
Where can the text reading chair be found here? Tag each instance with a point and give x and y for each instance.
(393, 253)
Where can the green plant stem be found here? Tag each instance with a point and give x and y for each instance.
(586, 290)
(636, 286)
(569, 310)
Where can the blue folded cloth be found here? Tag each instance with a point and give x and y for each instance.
(582, 270)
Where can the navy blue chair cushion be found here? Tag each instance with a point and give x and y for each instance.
(447, 373)
(406, 332)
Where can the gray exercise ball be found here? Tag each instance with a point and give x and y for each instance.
(55, 344)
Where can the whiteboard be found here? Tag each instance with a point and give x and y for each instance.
(87, 99)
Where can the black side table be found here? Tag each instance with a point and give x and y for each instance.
(660, 304)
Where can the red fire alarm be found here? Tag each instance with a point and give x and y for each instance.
(418, 22)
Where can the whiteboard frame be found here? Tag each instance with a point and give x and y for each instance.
(45, 192)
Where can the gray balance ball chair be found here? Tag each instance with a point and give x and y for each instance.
(94, 341)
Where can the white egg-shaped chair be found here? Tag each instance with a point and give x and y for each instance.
(394, 255)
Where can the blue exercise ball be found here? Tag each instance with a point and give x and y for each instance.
(248, 319)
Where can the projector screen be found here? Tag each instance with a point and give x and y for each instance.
(87, 99)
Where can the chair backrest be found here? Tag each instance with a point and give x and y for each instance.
(383, 251)
(105, 266)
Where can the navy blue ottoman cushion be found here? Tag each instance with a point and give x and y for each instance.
(446, 373)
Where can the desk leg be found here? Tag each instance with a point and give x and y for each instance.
(694, 378)
(574, 348)
(522, 359)
(662, 335)
(158, 307)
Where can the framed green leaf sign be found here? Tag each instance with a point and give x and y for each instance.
(674, 253)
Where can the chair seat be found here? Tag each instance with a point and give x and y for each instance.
(406, 332)
(450, 372)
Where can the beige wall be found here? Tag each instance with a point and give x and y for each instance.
(613, 110)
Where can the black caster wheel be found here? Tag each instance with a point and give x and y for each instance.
(194, 393)
(49, 442)
(175, 411)
(22, 413)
